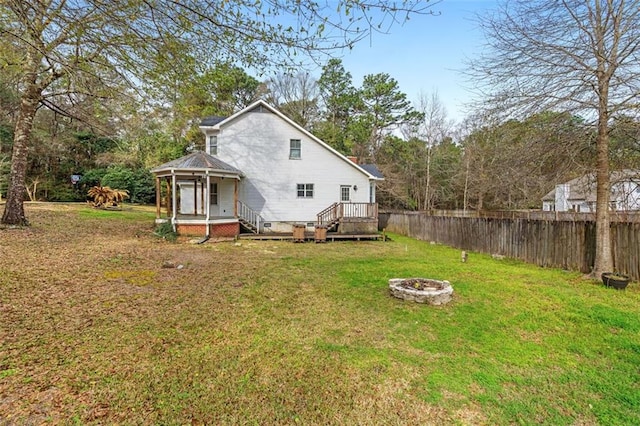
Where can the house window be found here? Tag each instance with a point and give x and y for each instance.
(345, 193)
(305, 190)
(213, 194)
(213, 145)
(295, 149)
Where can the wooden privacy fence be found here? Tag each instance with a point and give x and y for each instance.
(568, 244)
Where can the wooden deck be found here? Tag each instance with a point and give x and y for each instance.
(310, 236)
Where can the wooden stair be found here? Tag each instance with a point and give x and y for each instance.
(249, 218)
(336, 213)
(329, 217)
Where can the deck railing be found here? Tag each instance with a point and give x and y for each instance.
(337, 211)
(250, 216)
(360, 210)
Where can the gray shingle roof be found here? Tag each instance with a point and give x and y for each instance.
(211, 121)
(550, 196)
(198, 160)
(372, 169)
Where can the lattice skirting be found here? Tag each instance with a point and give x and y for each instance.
(216, 230)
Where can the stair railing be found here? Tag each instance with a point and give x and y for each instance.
(328, 215)
(249, 216)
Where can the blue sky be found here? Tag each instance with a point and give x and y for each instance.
(426, 54)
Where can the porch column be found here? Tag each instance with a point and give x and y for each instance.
(208, 198)
(158, 200)
(195, 197)
(167, 205)
(174, 204)
(235, 198)
(204, 207)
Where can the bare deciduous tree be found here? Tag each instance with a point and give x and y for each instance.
(296, 95)
(434, 127)
(572, 55)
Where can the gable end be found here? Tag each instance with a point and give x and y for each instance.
(260, 108)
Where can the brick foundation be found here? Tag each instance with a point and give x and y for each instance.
(217, 230)
(225, 230)
(191, 230)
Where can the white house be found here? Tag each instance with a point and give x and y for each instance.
(264, 171)
(579, 194)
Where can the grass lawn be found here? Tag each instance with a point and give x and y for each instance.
(94, 331)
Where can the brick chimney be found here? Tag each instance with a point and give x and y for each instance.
(353, 159)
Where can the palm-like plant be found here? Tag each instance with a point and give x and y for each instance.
(104, 196)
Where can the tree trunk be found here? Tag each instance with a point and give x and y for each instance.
(427, 193)
(14, 208)
(603, 259)
(466, 187)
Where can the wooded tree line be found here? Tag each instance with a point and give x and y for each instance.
(428, 161)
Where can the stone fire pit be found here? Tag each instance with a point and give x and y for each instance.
(421, 290)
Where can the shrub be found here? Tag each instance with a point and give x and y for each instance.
(92, 177)
(65, 193)
(138, 182)
(103, 196)
(165, 231)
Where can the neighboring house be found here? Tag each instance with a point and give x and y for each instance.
(263, 171)
(579, 195)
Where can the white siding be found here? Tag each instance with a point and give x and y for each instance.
(225, 207)
(257, 143)
(579, 206)
(626, 195)
(225, 197)
(562, 197)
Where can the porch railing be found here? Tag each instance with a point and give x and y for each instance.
(249, 216)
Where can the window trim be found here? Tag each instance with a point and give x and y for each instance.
(306, 189)
(213, 194)
(213, 138)
(293, 149)
(342, 193)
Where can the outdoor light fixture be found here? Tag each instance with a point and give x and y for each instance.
(355, 187)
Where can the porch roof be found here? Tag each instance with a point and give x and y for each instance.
(198, 161)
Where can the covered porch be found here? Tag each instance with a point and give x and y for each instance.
(198, 195)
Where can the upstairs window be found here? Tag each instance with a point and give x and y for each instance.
(295, 149)
(305, 190)
(213, 145)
